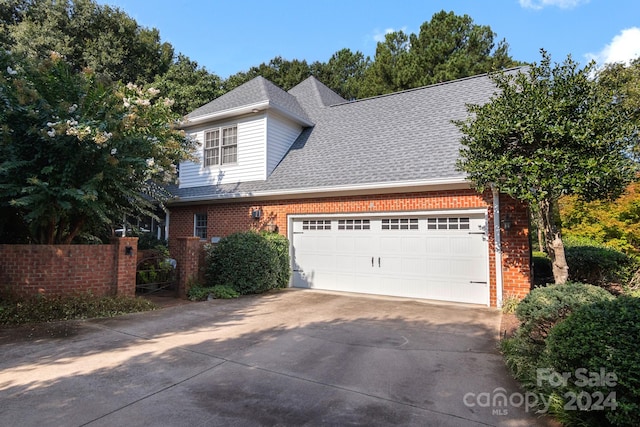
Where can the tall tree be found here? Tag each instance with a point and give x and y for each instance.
(282, 72)
(550, 131)
(343, 72)
(86, 34)
(77, 152)
(391, 68)
(188, 84)
(448, 47)
(451, 47)
(11, 13)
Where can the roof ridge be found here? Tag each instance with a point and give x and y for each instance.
(415, 89)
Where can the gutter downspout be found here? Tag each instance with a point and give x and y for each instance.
(498, 244)
(166, 225)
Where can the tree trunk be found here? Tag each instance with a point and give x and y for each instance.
(550, 216)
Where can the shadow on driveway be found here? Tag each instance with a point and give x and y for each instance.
(290, 357)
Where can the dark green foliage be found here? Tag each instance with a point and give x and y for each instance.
(78, 153)
(538, 313)
(150, 241)
(87, 34)
(600, 336)
(281, 245)
(599, 265)
(249, 262)
(544, 307)
(188, 84)
(15, 311)
(201, 293)
(448, 47)
(542, 272)
(552, 130)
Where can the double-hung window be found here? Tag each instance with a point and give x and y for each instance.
(200, 225)
(221, 146)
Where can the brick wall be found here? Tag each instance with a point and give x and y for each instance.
(227, 218)
(69, 269)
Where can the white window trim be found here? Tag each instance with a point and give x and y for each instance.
(196, 227)
(220, 158)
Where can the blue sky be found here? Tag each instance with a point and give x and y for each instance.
(231, 36)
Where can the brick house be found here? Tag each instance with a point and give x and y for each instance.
(366, 191)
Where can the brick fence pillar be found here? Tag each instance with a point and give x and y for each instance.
(187, 254)
(126, 249)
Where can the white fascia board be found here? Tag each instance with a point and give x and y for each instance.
(339, 190)
(219, 115)
(245, 109)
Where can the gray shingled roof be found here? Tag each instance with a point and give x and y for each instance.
(396, 138)
(254, 91)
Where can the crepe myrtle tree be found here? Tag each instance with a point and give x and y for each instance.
(78, 152)
(551, 130)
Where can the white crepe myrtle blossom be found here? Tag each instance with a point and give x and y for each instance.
(51, 133)
(11, 71)
(114, 151)
(73, 108)
(144, 102)
(153, 91)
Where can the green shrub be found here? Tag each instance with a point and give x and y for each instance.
(597, 337)
(509, 304)
(281, 245)
(542, 270)
(600, 266)
(201, 293)
(538, 312)
(544, 307)
(249, 262)
(53, 308)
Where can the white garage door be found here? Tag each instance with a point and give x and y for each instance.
(434, 257)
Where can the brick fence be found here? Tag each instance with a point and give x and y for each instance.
(103, 270)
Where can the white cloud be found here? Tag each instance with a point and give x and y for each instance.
(379, 36)
(623, 48)
(562, 4)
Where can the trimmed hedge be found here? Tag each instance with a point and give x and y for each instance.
(538, 313)
(602, 337)
(249, 262)
(599, 265)
(544, 307)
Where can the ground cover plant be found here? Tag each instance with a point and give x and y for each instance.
(15, 311)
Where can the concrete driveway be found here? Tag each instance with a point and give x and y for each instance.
(292, 357)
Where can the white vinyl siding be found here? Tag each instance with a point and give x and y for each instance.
(281, 134)
(250, 164)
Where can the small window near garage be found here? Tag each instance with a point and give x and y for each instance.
(314, 224)
(400, 224)
(354, 224)
(200, 225)
(451, 223)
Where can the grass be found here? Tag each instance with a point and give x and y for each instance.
(17, 311)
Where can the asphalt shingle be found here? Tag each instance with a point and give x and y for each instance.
(395, 138)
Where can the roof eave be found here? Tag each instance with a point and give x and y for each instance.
(333, 191)
(240, 111)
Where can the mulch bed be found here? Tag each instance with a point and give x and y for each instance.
(508, 325)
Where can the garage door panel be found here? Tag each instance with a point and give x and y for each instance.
(391, 244)
(414, 245)
(414, 261)
(437, 244)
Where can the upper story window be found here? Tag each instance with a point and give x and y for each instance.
(221, 146)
